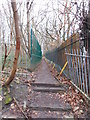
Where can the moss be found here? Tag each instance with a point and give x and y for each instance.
(8, 99)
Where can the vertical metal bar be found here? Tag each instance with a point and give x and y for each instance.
(79, 69)
(82, 70)
(85, 76)
(72, 69)
(88, 59)
(68, 64)
(68, 59)
(1, 54)
(71, 66)
(76, 69)
(71, 50)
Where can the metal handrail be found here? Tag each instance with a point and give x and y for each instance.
(75, 55)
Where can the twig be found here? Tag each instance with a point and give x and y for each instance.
(20, 108)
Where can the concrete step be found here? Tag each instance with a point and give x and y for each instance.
(47, 85)
(51, 115)
(49, 89)
(49, 101)
(47, 108)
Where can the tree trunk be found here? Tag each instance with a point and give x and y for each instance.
(15, 14)
(28, 27)
(4, 57)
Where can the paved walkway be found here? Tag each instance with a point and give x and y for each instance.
(46, 101)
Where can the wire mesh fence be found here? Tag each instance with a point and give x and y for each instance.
(25, 62)
(36, 53)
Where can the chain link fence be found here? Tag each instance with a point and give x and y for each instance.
(36, 52)
(25, 62)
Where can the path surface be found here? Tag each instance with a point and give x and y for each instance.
(46, 95)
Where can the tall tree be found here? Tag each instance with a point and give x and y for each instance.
(29, 5)
(15, 15)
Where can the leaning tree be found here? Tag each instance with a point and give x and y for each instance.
(14, 68)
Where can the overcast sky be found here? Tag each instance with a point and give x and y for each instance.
(40, 5)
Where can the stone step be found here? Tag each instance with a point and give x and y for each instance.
(49, 89)
(47, 85)
(49, 100)
(51, 115)
(47, 108)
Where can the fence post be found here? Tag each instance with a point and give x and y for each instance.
(0, 74)
(89, 59)
(0, 59)
(88, 21)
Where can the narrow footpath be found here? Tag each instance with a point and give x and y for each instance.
(46, 94)
(39, 95)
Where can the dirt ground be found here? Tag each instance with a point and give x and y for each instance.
(23, 94)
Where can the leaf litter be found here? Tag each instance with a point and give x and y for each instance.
(71, 96)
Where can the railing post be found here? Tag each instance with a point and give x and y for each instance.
(0, 73)
(88, 20)
(89, 59)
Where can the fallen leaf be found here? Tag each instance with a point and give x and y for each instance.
(76, 91)
(12, 106)
(49, 112)
(80, 111)
(75, 109)
(62, 96)
(24, 105)
(29, 90)
(70, 88)
(81, 100)
(33, 80)
(0, 98)
(68, 116)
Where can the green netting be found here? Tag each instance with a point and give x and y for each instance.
(24, 60)
(36, 53)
